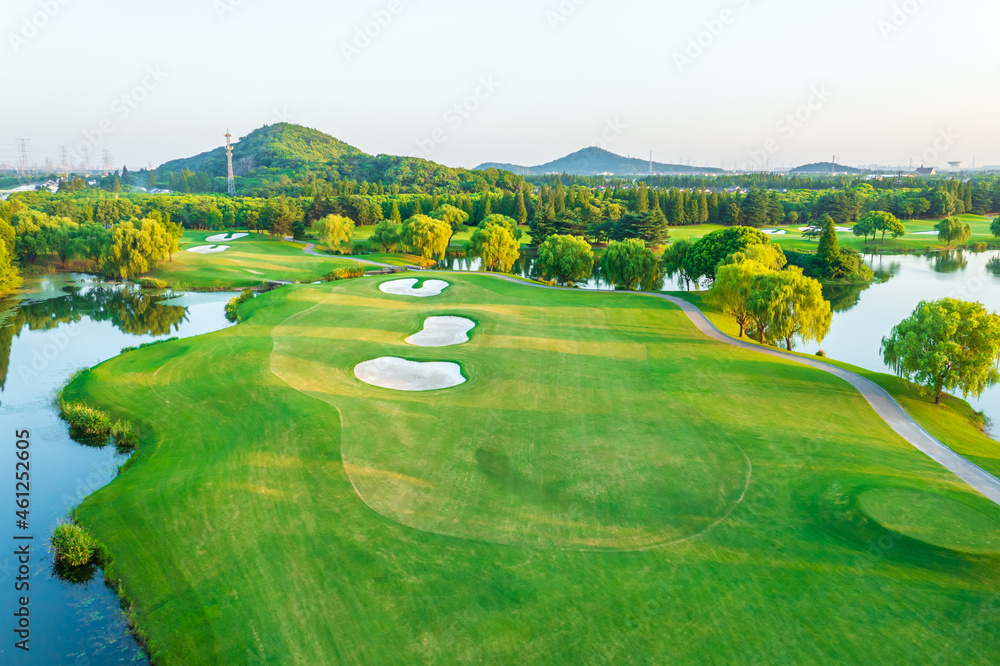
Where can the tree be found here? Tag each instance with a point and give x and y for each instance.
(426, 236)
(709, 251)
(628, 263)
(866, 227)
(568, 259)
(829, 245)
(788, 304)
(731, 290)
(520, 210)
(946, 345)
(31, 238)
(496, 246)
(394, 215)
(10, 279)
(995, 226)
(543, 225)
(672, 262)
(385, 236)
(508, 223)
(951, 231)
(336, 232)
(62, 233)
(456, 218)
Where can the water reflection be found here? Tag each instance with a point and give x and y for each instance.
(526, 267)
(131, 311)
(951, 261)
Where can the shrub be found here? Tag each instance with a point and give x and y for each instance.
(86, 421)
(73, 544)
(233, 306)
(345, 274)
(148, 344)
(152, 283)
(125, 438)
(821, 353)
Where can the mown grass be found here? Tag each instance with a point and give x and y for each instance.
(584, 498)
(793, 239)
(954, 422)
(251, 261)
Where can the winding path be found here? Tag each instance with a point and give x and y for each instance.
(880, 399)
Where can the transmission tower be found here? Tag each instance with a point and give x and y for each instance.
(86, 160)
(22, 165)
(229, 157)
(109, 165)
(65, 160)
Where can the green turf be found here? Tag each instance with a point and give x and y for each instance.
(794, 240)
(609, 487)
(932, 519)
(250, 261)
(953, 422)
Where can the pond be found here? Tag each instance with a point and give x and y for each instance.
(864, 314)
(862, 318)
(57, 325)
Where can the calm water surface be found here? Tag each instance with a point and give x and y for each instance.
(60, 324)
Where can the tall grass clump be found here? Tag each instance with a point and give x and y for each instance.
(73, 545)
(85, 421)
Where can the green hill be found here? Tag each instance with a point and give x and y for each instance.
(280, 146)
(825, 169)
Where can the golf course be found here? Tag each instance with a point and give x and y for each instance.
(604, 484)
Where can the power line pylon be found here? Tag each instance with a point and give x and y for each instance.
(22, 165)
(109, 164)
(65, 161)
(229, 157)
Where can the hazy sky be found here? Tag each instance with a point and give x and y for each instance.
(151, 80)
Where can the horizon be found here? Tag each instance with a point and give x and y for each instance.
(739, 84)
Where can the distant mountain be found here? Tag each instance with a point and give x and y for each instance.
(597, 161)
(278, 146)
(824, 169)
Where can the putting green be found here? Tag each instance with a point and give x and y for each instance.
(521, 453)
(933, 519)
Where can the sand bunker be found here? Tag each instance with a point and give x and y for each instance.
(443, 332)
(402, 375)
(225, 238)
(839, 230)
(209, 249)
(774, 232)
(926, 233)
(408, 288)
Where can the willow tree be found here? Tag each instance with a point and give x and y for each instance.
(629, 264)
(951, 231)
(733, 292)
(787, 305)
(426, 236)
(496, 246)
(336, 232)
(568, 259)
(946, 345)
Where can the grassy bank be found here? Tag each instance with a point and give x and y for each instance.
(607, 484)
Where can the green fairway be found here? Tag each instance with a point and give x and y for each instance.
(609, 486)
(913, 241)
(251, 261)
(952, 422)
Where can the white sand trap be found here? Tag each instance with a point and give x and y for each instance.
(402, 375)
(209, 249)
(408, 288)
(774, 232)
(443, 332)
(926, 233)
(225, 238)
(839, 230)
